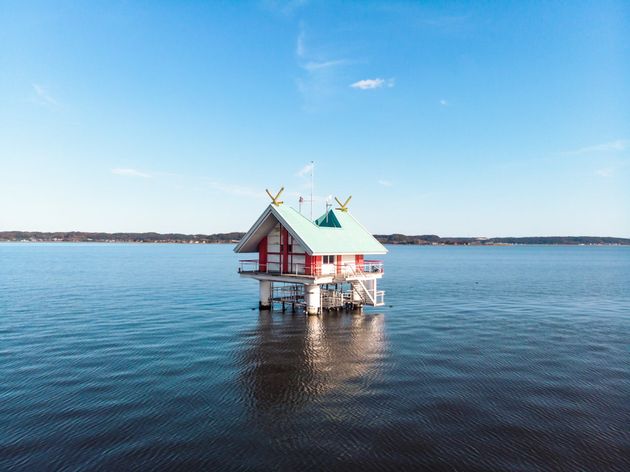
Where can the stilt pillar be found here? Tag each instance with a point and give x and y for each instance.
(357, 300)
(312, 297)
(265, 295)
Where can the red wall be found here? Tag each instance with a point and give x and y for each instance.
(262, 255)
(358, 260)
(313, 264)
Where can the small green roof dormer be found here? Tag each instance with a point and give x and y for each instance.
(328, 220)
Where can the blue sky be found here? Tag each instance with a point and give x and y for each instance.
(450, 118)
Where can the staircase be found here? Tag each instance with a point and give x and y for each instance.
(368, 293)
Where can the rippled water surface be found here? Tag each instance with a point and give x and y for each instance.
(122, 357)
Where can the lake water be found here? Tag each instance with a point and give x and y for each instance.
(119, 357)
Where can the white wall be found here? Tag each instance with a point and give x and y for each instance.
(348, 263)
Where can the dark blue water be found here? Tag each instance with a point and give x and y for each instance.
(117, 357)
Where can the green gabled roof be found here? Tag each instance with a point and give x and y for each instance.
(346, 236)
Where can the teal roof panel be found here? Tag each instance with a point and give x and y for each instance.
(346, 236)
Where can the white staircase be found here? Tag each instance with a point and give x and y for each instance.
(365, 287)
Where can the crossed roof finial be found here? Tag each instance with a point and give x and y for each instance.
(343, 206)
(274, 200)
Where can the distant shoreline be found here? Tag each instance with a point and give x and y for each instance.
(234, 237)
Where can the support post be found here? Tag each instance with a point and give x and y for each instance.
(312, 294)
(356, 296)
(265, 295)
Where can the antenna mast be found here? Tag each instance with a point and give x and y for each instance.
(312, 185)
(328, 207)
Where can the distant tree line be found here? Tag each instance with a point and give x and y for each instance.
(425, 239)
(78, 236)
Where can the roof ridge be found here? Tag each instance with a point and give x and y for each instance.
(296, 211)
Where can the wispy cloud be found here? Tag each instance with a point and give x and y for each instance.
(320, 70)
(612, 146)
(313, 66)
(125, 172)
(300, 48)
(306, 170)
(444, 103)
(370, 84)
(196, 182)
(605, 172)
(318, 82)
(305, 182)
(385, 183)
(42, 96)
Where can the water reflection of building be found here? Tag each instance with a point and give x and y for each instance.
(291, 360)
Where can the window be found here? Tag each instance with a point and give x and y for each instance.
(328, 259)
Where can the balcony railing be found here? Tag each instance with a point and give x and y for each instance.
(312, 270)
(248, 265)
(372, 266)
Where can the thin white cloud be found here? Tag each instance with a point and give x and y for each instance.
(317, 83)
(370, 84)
(312, 66)
(319, 77)
(198, 183)
(125, 172)
(42, 96)
(605, 172)
(612, 146)
(444, 103)
(385, 183)
(306, 170)
(300, 48)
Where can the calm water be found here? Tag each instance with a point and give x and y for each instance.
(502, 358)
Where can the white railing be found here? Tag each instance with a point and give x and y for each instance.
(314, 270)
(373, 267)
(365, 268)
(249, 265)
(331, 298)
(253, 265)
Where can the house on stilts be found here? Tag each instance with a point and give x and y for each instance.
(315, 265)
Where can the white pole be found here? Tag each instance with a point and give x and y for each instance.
(312, 185)
(265, 294)
(312, 294)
